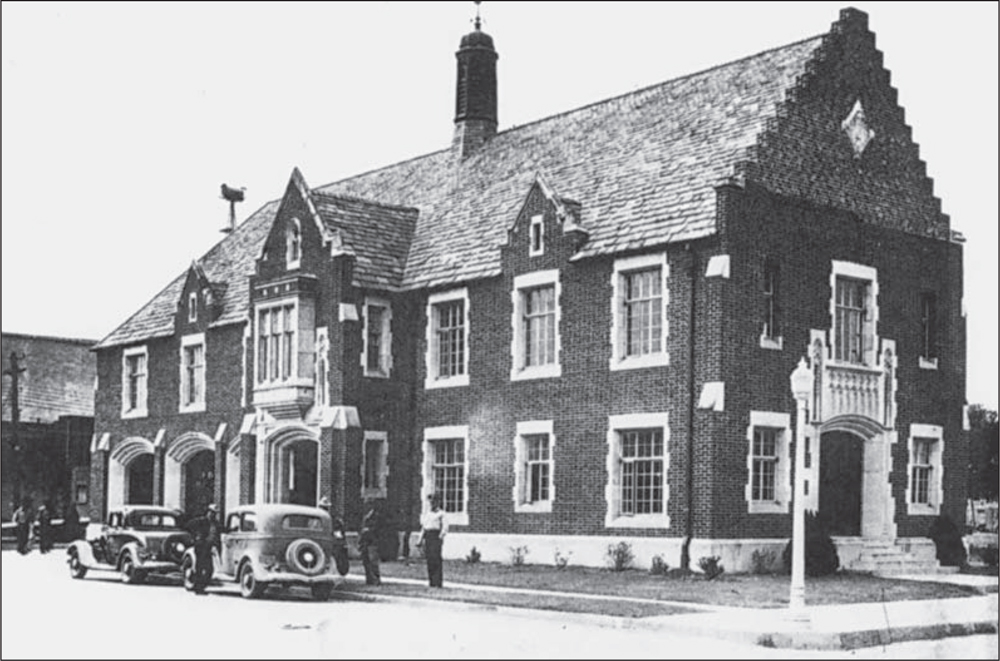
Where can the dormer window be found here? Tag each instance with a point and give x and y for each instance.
(294, 243)
(193, 307)
(537, 236)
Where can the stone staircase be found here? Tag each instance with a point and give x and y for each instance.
(909, 555)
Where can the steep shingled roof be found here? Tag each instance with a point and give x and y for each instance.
(643, 167)
(58, 377)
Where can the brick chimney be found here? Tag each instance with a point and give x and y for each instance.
(475, 92)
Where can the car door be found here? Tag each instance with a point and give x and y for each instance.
(230, 536)
(114, 531)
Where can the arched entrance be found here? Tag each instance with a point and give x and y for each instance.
(293, 474)
(189, 473)
(199, 481)
(130, 473)
(855, 496)
(841, 464)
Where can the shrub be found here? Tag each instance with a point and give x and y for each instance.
(948, 540)
(560, 560)
(821, 552)
(711, 566)
(658, 566)
(474, 556)
(762, 561)
(517, 555)
(620, 556)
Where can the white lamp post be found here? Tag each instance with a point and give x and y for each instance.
(802, 384)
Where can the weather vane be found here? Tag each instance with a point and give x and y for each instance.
(479, 21)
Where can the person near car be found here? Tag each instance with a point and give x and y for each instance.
(340, 557)
(44, 523)
(368, 545)
(22, 526)
(205, 531)
(433, 528)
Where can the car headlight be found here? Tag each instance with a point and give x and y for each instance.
(179, 548)
(268, 561)
(143, 553)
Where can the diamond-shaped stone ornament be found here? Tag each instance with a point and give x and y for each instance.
(857, 129)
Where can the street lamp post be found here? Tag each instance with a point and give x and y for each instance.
(801, 382)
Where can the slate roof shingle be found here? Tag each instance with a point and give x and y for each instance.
(642, 166)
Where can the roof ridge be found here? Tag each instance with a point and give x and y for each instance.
(365, 200)
(33, 336)
(623, 96)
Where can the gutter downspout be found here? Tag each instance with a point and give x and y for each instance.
(689, 519)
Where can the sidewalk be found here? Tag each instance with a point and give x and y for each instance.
(839, 627)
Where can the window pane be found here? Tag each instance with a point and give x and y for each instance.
(449, 473)
(641, 465)
(376, 315)
(643, 312)
(450, 338)
(539, 326)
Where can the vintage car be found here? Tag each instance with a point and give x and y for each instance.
(136, 540)
(276, 545)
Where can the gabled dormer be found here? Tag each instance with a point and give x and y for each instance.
(200, 301)
(546, 231)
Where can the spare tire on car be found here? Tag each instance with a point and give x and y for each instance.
(306, 556)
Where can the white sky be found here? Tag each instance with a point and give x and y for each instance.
(120, 121)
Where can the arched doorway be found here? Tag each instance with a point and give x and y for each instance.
(199, 482)
(140, 480)
(841, 470)
(293, 470)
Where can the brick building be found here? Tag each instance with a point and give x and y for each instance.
(579, 330)
(55, 422)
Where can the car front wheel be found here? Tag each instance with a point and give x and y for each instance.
(250, 587)
(76, 568)
(130, 573)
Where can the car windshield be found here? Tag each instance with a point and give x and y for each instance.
(301, 522)
(152, 520)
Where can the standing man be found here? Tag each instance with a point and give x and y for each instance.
(44, 529)
(205, 530)
(340, 557)
(368, 546)
(23, 527)
(433, 528)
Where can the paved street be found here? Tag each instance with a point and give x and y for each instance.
(46, 614)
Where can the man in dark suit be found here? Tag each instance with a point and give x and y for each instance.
(205, 530)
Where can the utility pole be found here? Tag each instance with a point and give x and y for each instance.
(14, 372)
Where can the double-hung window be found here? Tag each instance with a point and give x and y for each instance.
(924, 489)
(446, 470)
(854, 313)
(638, 312)
(376, 355)
(638, 459)
(534, 490)
(447, 359)
(192, 394)
(374, 465)
(768, 488)
(134, 380)
(928, 331)
(535, 326)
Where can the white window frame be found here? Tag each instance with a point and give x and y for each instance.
(141, 409)
(193, 307)
(293, 244)
(870, 338)
(280, 355)
(522, 283)
(385, 336)
(521, 478)
(382, 490)
(628, 422)
(194, 340)
(623, 266)
(432, 434)
(783, 465)
(934, 433)
(431, 352)
(537, 226)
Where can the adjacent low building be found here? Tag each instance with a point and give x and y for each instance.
(580, 330)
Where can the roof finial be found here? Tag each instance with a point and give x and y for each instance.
(479, 21)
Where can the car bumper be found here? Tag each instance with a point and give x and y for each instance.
(292, 578)
(159, 566)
